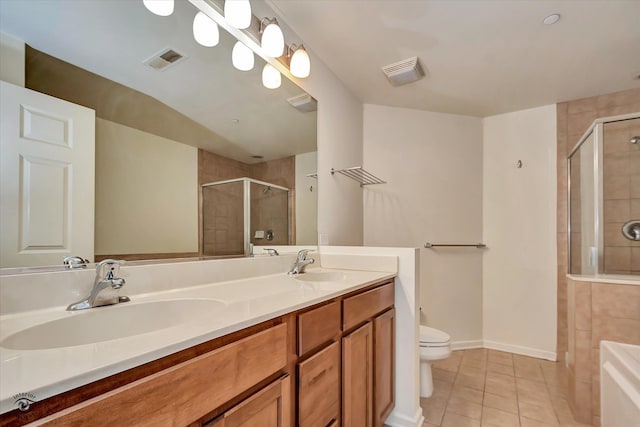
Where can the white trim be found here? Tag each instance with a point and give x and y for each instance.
(517, 349)
(398, 420)
(465, 345)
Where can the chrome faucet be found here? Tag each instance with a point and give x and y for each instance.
(301, 262)
(106, 287)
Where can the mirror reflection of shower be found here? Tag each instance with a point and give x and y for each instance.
(238, 213)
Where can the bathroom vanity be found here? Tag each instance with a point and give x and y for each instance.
(281, 351)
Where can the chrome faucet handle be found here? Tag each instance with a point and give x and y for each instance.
(302, 254)
(271, 251)
(73, 262)
(117, 283)
(108, 268)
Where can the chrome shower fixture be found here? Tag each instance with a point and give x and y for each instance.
(635, 140)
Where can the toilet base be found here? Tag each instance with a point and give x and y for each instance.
(426, 379)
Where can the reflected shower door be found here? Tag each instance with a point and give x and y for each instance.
(270, 223)
(223, 219)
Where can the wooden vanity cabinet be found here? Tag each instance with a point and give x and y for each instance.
(368, 354)
(329, 365)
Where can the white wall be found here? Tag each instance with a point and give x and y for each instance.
(306, 199)
(12, 57)
(432, 163)
(339, 146)
(519, 223)
(148, 192)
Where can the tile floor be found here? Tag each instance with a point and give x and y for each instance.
(480, 387)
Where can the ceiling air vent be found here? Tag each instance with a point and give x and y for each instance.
(403, 72)
(304, 103)
(164, 59)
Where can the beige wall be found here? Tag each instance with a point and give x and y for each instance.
(432, 163)
(573, 118)
(12, 54)
(149, 202)
(306, 199)
(596, 312)
(519, 226)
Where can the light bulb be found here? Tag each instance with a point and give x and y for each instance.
(271, 78)
(205, 30)
(300, 64)
(238, 13)
(242, 57)
(273, 40)
(159, 7)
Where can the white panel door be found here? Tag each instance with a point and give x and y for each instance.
(47, 150)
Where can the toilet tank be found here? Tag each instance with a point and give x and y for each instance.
(619, 384)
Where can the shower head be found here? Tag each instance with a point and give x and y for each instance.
(266, 189)
(635, 140)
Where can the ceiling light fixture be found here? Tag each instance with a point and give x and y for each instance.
(299, 62)
(159, 7)
(272, 40)
(238, 13)
(205, 30)
(551, 19)
(271, 78)
(242, 57)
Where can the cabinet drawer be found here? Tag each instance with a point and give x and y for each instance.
(319, 391)
(364, 306)
(187, 391)
(318, 326)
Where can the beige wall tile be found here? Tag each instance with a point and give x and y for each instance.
(578, 123)
(613, 300)
(617, 187)
(635, 187)
(595, 365)
(613, 235)
(583, 306)
(595, 398)
(617, 259)
(582, 105)
(635, 260)
(617, 211)
(616, 99)
(635, 209)
(613, 329)
(583, 356)
(582, 408)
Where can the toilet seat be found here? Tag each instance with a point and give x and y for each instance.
(430, 337)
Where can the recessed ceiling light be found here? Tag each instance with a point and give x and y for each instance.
(235, 120)
(256, 156)
(551, 19)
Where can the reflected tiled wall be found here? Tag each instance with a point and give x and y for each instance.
(573, 119)
(596, 312)
(621, 196)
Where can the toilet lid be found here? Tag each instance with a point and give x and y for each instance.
(431, 335)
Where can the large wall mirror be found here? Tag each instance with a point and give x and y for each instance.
(191, 155)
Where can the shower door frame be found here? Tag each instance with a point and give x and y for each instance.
(597, 128)
(246, 208)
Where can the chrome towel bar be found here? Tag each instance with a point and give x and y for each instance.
(455, 245)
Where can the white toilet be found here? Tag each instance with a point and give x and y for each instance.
(434, 345)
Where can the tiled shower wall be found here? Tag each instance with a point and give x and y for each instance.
(621, 196)
(573, 119)
(596, 312)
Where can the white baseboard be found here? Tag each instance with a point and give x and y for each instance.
(517, 349)
(465, 345)
(400, 420)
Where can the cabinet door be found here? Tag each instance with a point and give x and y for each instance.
(383, 358)
(267, 408)
(319, 388)
(357, 377)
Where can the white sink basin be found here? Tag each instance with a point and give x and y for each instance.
(321, 276)
(112, 322)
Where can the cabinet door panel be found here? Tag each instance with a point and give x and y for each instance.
(267, 408)
(362, 307)
(383, 357)
(357, 377)
(319, 388)
(317, 327)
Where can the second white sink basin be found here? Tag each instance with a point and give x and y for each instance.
(112, 322)
(321, 276)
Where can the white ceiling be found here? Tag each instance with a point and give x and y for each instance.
(112, 38)
(482, 57)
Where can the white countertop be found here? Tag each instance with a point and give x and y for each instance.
(249, 301)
